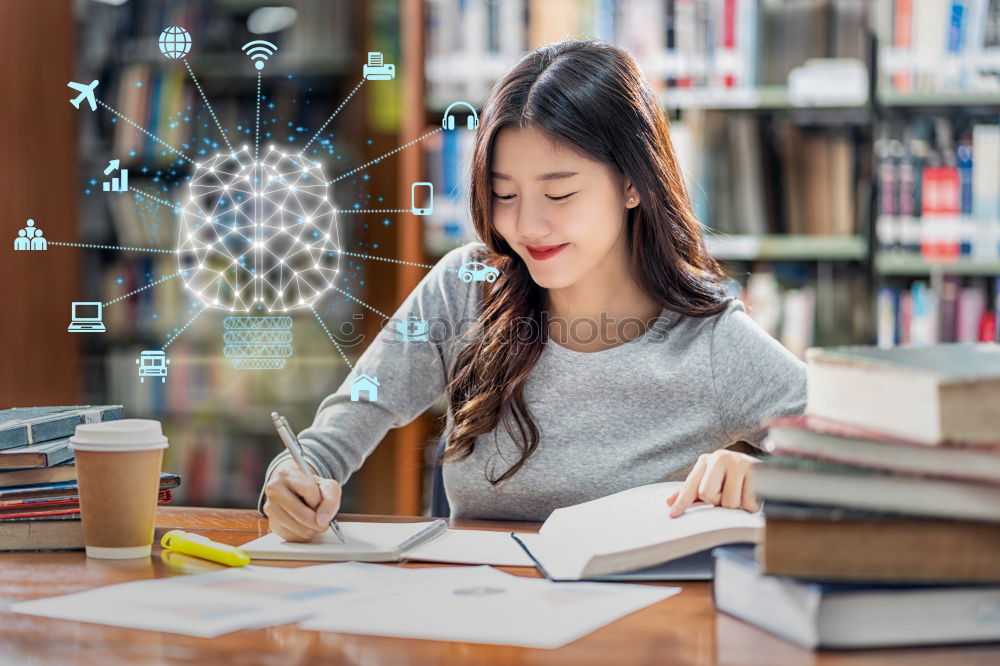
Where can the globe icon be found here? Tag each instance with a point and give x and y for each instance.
(175, 42)
(258, 233)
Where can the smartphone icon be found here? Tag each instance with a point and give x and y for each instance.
(422, 198)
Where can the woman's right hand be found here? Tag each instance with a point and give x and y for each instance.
(299, 506)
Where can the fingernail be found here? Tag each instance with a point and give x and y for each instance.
(323, 519)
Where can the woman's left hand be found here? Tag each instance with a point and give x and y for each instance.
(721, 478)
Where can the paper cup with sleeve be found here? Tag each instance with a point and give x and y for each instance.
(118, 468)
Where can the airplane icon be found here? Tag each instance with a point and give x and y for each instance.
(86, 93)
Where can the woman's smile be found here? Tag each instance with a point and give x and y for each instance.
(543, 252)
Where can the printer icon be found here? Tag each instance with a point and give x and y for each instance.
(411, 330)
(376, 70)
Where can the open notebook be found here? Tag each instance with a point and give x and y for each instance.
(630, 535)
(363, 542)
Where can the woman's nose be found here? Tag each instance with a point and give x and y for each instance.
(531, 223)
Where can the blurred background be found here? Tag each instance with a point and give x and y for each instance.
(843, 155)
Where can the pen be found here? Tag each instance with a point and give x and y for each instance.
(292, 444)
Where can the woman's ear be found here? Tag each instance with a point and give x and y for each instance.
(631, 196)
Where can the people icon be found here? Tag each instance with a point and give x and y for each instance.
(30, 238)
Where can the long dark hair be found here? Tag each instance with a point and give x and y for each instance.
(592, 96)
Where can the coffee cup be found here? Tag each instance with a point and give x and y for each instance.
(118, 467)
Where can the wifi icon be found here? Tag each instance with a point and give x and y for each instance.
(259, 51)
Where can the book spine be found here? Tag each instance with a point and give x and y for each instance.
(902, 39)
(996, 309)
(887, 315)
(56, 426)
(728, 40)
(963, 156)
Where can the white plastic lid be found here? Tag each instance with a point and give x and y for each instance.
(123, 435)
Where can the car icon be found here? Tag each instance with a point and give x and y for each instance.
(152, 364)
(477, 271)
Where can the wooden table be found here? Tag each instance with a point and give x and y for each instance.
(684, 629)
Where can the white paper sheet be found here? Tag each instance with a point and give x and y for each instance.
(475, 604)
(483, 605)
(212, 604)
(205, 605)
(473, 547)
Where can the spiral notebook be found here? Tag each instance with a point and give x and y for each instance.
(364, 542)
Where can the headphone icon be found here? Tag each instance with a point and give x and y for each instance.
(448, 121)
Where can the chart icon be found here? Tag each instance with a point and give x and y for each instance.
(118, 183)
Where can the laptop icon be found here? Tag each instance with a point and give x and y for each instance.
(86, 317)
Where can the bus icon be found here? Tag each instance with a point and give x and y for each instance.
(152, 364)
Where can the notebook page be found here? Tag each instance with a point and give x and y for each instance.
(362, 541)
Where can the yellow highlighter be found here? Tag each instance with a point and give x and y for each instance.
(203, 547)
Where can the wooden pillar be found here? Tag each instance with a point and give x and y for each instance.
(39, 359)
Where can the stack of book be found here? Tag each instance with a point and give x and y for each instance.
(39, 496)
(881, 504)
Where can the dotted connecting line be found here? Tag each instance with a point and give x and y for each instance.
(136, 291)
(358, 300)
(146, 132)
(177, 335)
(323, 126)
(330, 335)
(393, 261)
(162, 202)
(372, 210)
(197, 85)
(115, 247)
(256, 139)
(391, 152)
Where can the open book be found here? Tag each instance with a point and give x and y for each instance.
(632, 530)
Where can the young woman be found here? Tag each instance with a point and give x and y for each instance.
(605, 355)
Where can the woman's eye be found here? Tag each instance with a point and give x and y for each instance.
(563, 197)
(503, 197)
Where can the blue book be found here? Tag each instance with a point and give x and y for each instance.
(43, 454)
(67, 488)
(851, 616)
(24, 426)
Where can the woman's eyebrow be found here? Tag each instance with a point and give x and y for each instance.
(554, 175)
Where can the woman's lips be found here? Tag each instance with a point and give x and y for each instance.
(543, 252)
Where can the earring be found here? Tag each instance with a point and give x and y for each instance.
(631, 199)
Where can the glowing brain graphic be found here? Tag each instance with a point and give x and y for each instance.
(258, 232)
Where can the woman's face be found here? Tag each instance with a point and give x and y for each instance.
(561, 211)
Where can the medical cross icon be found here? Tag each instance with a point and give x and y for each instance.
(411, 330)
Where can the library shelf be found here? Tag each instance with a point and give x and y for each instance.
(783, 247)
(895, 98)
(902, 264)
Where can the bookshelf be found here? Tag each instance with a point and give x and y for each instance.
(937, 218)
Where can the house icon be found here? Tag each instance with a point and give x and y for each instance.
(364, 382)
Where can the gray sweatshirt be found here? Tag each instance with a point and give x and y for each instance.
(638, 413)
